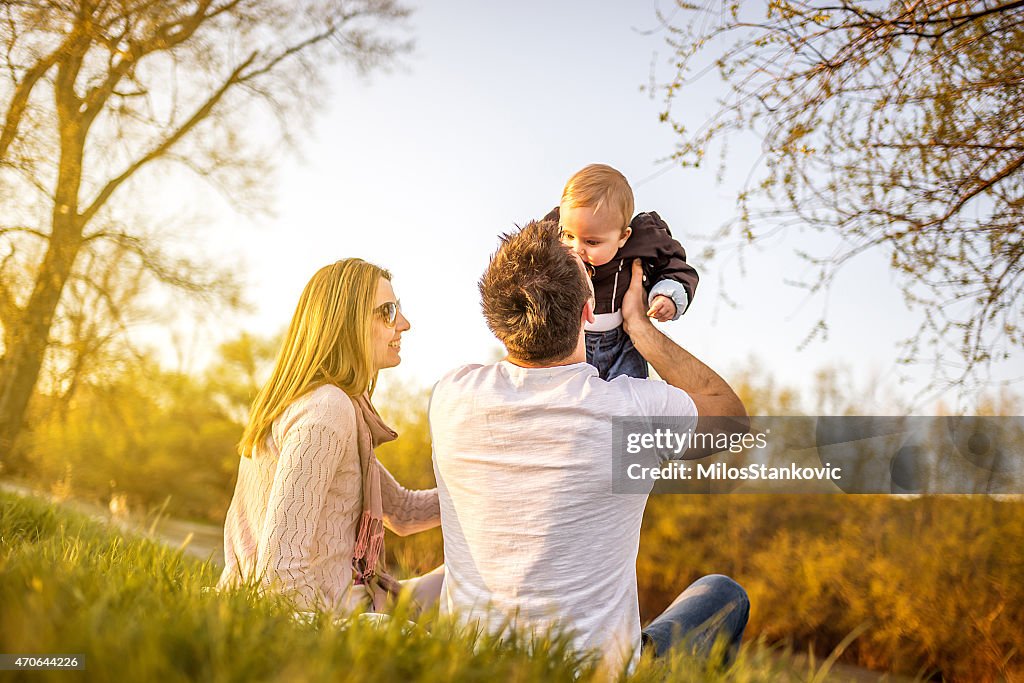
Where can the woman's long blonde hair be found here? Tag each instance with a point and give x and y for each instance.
(328, 342)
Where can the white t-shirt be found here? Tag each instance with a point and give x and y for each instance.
(532, 530)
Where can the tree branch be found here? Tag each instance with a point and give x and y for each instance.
(19, 100)
(200, 114)
(238, 76)
(164, 37)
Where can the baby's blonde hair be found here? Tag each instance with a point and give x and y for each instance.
(596, 184)
(329, 341)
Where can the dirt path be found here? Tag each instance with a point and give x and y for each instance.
(202, 541)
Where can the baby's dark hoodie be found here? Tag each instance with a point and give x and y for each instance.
(663, 258)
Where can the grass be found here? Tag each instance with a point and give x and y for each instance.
(137, 611)
(934, 586)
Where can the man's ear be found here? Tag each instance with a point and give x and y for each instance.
(588, 310)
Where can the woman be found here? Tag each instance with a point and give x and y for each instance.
(308, 512)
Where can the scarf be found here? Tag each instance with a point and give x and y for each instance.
(368, 566)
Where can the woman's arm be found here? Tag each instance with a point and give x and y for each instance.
(407, 511)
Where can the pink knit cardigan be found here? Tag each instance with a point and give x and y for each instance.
(293, 518)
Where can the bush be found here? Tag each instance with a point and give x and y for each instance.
(938, 582)
(149, 433)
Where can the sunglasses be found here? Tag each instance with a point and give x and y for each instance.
(388, 312)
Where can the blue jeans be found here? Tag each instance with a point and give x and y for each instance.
(713, 606)
(613, 354)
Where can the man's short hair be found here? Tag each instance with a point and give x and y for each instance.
(533, 293)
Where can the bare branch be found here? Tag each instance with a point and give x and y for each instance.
(900, 128)
(167, 143)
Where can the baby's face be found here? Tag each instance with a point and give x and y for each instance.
(595, 236)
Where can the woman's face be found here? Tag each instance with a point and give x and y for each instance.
(387, 339)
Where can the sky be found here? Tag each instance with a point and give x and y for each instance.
(476, 130)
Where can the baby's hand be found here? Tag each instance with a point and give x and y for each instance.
(662, 308)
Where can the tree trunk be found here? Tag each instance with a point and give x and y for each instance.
(24, 357)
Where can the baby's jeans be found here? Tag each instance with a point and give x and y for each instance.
(613, 354)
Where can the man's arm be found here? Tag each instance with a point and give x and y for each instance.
(719, 409)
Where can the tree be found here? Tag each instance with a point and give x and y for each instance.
(243, 364)
(97, 95)
(89, 336)
(896, 126)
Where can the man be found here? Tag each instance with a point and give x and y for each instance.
(523, 458)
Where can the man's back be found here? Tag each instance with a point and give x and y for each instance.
(523, 459)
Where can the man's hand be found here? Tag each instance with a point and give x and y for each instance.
(662, 308)
(634, 312)
(719, 409)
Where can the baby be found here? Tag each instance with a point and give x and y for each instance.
(594, 218)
